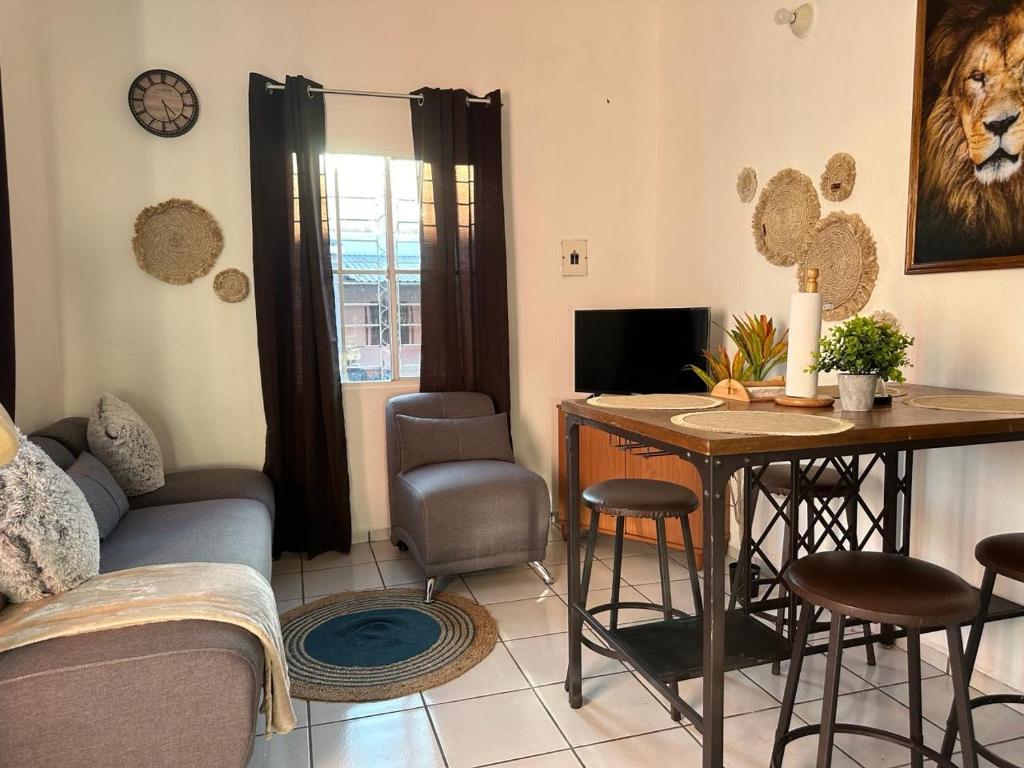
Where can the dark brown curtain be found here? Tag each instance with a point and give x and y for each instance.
(6, 280)
(295, 318)
(464, 300)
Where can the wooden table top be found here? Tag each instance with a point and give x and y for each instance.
(899, 423)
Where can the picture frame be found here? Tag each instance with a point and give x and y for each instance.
(966, 198)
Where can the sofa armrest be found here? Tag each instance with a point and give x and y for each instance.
(168, 694)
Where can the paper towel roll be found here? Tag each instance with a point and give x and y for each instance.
(804, 337)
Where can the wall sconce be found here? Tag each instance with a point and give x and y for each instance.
(799, 20)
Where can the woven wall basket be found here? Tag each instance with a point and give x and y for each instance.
(839, 177)
(746, 184)
(784, 219)
(177, 241)
(231, 285)
(843, 251)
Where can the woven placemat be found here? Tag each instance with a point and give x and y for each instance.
(839, 177)
(843, 251)
(231, 285)
(656, 402)
(177, 241)
(746, 184)
(969, 403)
(762, 423)
(784, 219)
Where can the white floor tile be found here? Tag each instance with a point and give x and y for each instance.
(682, 594)
(383, 741)
(812, 679)
(283, 606)
(741, 694)
(288, 562)
(667, 748)
(644, 569)
(555, 533)
(544, 659)
(563, 759)
(627, 594)
(1011, 750)
(600, 577)
(494, 729)
(385, 551)
(351, 578)
(556, 554)
(614, 706)
(400, 572)
(287, 586)
(505, 586)
(289, 750)
(498, 673)
(358, 555)
(527, 618)
(890, 669)
(453, 586)
(321, 712)
(604, 548)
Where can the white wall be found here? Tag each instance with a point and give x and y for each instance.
(737, 90)
(580, 126)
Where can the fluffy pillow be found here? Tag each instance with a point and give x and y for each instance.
(49, 542)
(106, 499)
(120, 438)
(434, 441)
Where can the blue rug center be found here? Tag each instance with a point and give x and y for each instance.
(372, 638)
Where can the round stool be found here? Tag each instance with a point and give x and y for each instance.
(888, 589)
(638, 498)
(1001, 555)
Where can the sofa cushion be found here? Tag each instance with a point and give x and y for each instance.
(219, 531)
(69, 432)
(208, 484)
(49, 542)
(61, 456)
(121, 439)
(435, 441)
(106, 499)
(472, 509)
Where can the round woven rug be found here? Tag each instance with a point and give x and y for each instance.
(762, 423)
(177, 241)
(784, 219)
(844, 253)
(656, 402)
(839, 177)
(382, 644)
(231, 285)
(969, 403)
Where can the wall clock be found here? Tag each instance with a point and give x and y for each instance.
(163, 103)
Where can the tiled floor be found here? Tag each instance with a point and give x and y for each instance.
(511, 709)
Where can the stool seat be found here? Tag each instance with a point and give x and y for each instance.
(821, 482)
(1004, 554)
(883, 587)
(635, 497)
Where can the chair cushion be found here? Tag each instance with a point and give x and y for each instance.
(435, 441)
(121, 439)
(638, 497)
(209, 484)
(1003, 553)
(106, 499)
(472, 509)
(220, 531)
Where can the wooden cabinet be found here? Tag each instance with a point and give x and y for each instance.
(601, 458)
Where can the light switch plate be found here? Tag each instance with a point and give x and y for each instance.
(574, 258)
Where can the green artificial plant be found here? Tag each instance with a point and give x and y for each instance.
(864, 345)
(757, 352)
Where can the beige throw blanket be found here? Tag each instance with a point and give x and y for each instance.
(232, 594)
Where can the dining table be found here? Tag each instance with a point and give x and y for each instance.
(725, 637)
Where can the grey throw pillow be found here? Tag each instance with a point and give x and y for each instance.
(434, 441)
(49, 542)
(122, 440)
(106, 499)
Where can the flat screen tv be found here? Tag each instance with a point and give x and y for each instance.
(640, 351)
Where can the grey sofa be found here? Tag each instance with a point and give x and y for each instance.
(175, 694)
(462, 516)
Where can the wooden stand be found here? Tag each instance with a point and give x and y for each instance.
(821, 401)
(747, 391)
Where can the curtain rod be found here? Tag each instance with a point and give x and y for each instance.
(377, 94)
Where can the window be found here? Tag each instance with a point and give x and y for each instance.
(374, 224)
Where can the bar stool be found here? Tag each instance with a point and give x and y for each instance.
(1002, 555)
(638, 498)
(889, 589)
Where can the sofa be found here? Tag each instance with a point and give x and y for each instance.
(183, 693)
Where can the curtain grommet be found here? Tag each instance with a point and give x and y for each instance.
(419, 100)
(309, 92)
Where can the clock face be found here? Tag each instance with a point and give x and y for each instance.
(163, 103)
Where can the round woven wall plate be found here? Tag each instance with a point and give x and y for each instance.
(784, 219)
(231, 285)
(177, 241)
(746, 184)
(762, 423)
(969, 403)
(843, 251)
(656, 402)
(382, 644)
(839, 177)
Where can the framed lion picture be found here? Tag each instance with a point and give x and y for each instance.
(966, 177)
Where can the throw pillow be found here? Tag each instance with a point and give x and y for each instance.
(49, 542)
(106, 499)
(120, 438)
(434, 441)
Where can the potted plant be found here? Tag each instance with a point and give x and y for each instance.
(758, 351)
(863, 349)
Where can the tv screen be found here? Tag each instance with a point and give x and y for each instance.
(640, 351)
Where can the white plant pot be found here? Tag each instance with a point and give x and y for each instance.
(857, 391)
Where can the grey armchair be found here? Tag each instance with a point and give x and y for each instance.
(462, 516)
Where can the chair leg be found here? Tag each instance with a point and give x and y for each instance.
(780, 615)
(961, 696)
(850, 504)
(988, 584)
(691, 565)
(620, 528)
(429, 591)
(741, 579)
(830, 702)
(542, 570)
(666, 592)
(914, 685)
(792, 683)
(588, 562)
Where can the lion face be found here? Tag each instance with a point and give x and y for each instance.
(988, 95)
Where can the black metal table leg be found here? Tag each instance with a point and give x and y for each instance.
(574, 679)
(715, 478)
